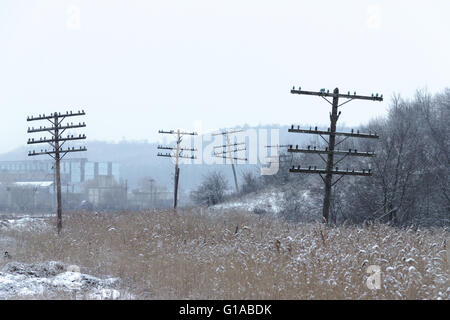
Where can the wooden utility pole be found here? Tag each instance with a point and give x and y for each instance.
(178, 155)
(230, 154)
(152, 195)
(58, 176)
(177, 170)
(232, 164)
(57, 141)
(332, 140)
(330, 151)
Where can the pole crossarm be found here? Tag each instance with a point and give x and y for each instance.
(350, 152)
(53, 140)
(60, 115)
(227, 132)
(350, 172)
(226, 157)
(54, 151)
(231, 151)
(230, 145)
(347, 134)
(322, 93)
(42, 129)
(168, 155)
(175, 148)
(180, 132)
(279, 146)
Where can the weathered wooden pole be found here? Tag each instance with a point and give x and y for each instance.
(232, 165)
(330, 159)
(330, 151)
(178, 149)
(58, 176)
(56, 141)
(177, 171)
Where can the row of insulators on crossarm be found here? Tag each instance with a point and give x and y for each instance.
(357, 131)
(309, 147)
(337, 169)
(323, 90)
(310, 128)
(309, 168)
(328, 129)
(53, 150)
(57, 114)
(296, 147)
(51, 128)
(326, 149)
(315, 128)
(79, 136)
(52, 139)
(42, 150)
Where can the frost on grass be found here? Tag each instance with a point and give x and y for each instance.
(52, 280)
(267, 202)
(191, 254)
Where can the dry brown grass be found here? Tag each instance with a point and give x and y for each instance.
(189, 255)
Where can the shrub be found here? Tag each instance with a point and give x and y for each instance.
(211, 191)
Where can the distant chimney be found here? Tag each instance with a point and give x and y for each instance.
(95, 170)
(110, 169)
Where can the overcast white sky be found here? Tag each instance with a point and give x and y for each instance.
(139, 66)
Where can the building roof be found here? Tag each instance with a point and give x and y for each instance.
(40, 184)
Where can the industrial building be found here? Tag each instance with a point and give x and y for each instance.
(29, 185)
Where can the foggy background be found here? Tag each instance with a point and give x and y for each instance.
(139, 66)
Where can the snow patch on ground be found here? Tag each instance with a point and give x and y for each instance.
(270, 201)
(53, 279)
(24, 222)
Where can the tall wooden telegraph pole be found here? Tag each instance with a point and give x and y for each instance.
(331, 166)
(57, 142)
(178, 154)
(229, 153)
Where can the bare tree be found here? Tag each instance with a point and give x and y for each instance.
(251, 182)
(411, 171)
(436, 113)
(211, 191)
